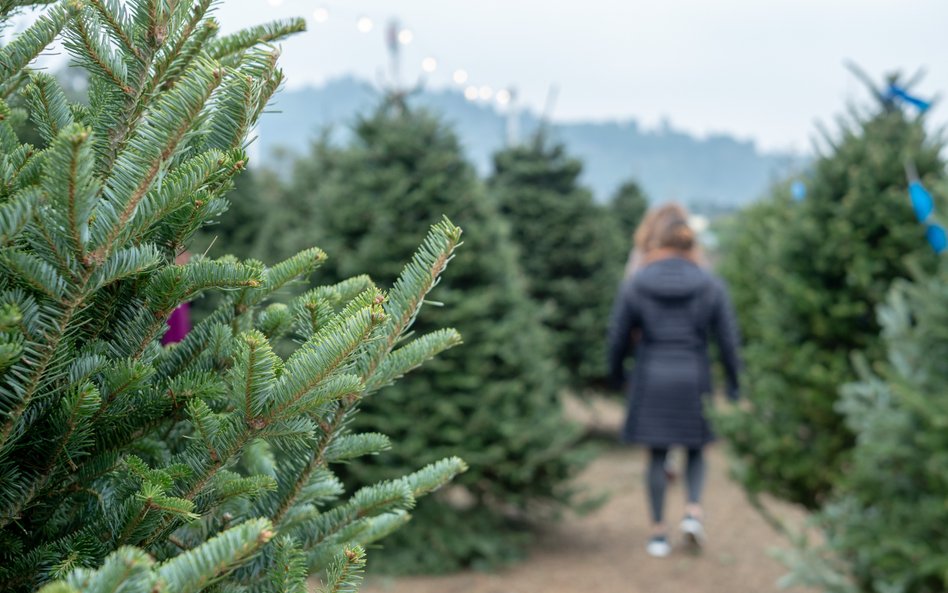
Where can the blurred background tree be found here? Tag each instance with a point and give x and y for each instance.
(807, 276)
(571, 249)
(495, 400)
(627, 206)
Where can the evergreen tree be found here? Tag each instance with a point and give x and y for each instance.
(494, 400)
(203, 466)
(808, 276)
(627, 207)
(571, 250)
(885, 525)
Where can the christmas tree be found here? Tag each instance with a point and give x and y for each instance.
(807, 277)
(627, 207)
(884, 525)
(125, 465)
(492, 401)
(572, 251)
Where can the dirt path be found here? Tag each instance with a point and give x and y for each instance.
(604, 551)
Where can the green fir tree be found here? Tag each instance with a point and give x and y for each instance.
(207, 465)
(884, 527)
(571, 250)
(627, 207)
(807, 277)
(494, 400)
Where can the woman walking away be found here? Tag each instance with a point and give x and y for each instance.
(666, 311)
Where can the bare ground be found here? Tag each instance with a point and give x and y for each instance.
(604, 551)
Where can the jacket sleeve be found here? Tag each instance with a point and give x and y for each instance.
(621, 324)
(724, 327)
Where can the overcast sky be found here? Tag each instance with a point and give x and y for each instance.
(761, 69)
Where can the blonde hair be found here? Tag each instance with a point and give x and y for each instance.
(664, 232)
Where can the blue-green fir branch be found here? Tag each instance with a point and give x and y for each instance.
(27, 45)
(20, 168)
(34, 273)
(321, 356)
(433, 476)
(276, 277)
(125, 263)
(344, 574)
(352, 446)
(194, 180)
(149, 149)
(127, 569)
(231, 45)
(276, 321)
(417, 278)
(112, 13)
(90, 47)
(254, 374)
(290, 567)
(71, 189)
(194, 570)
(187, 42)
(412, 355)
(49, 108)
(16, 213)
(316, 307)
(234, 110)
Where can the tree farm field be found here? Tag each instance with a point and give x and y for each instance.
(604, 551)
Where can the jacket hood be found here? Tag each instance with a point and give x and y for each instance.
(672, 278)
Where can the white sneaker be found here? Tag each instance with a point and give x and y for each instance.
(658, 546)
(693, 531)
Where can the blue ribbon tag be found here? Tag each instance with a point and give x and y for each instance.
(922, 201)
(937, 237)
(895, 91)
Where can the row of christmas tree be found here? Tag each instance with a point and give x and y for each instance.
(530, 292)
(844, 306)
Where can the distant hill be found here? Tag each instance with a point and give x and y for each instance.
(719, 171)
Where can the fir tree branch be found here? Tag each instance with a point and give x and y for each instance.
(35, 380)
(16, 213)
(175, 59)
(15, 56)
(418, 278)
(247, 434)
(345, 573)
(414, 284)
(90, 49)
(142, 166)
(328, 352)
(235, 43)
(49, 107)
(194, 570)
(62, 261)
(117, 29)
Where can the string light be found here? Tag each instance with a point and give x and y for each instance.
(364, 24)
